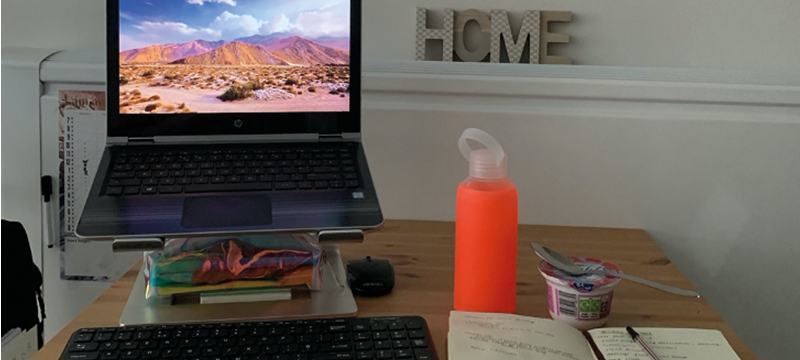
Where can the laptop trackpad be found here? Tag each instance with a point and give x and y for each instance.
(227, 211)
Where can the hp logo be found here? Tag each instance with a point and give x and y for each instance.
(238, 123)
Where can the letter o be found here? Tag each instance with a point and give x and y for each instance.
(458, 36)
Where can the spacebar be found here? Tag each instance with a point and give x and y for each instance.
(195, 188)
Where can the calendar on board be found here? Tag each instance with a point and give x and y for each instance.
(82, 120)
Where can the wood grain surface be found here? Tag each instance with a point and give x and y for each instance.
(422, 255)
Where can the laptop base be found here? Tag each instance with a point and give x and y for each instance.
(334, 300)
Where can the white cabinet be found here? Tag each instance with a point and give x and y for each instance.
(30, 149)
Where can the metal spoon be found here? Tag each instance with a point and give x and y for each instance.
(566, 264)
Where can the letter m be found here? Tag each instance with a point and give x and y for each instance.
(530, 28)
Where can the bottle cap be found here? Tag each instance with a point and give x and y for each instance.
(488, 163)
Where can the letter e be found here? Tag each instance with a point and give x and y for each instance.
(547, 37)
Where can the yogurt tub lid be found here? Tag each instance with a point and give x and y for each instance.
(585, 282)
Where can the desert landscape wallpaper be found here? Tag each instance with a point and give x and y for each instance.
(234, 56)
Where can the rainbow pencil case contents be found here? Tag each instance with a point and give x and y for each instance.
(204, 264)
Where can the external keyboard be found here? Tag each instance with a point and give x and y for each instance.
(243, 168)
(404, 337)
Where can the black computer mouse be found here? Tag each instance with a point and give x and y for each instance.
(370, 277)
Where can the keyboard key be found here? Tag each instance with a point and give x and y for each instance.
(416, 334)
(424, 354)
(384, 354)
(320, 184)
(285, 185)
(402, 354)
(170, 189)
(90, 346)
(93, 355)
(401, 344)
(316, 177)
(113, 191)
(84, 337)
(415, 324)
(128, 345)
(304, 185)
(122, 174)
(124, 182)
(195, 188)
(109, 355)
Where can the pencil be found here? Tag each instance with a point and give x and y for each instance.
(638, 340)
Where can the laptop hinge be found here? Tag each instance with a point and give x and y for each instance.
(330, 137)
(141, 140)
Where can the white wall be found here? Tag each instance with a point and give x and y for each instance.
(736, 34)
(706, 160)
(708, 165)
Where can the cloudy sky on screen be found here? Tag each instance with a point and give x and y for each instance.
(144, 23)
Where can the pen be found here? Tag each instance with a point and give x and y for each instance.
(47, 192)
(638, 339)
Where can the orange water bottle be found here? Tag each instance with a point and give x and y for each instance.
(486, 230)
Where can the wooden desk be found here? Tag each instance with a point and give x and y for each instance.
(422, 255)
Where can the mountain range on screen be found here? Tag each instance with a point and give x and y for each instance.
(253, 50)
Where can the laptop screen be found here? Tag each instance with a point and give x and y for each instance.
(208, 67)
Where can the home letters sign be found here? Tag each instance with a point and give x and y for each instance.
(494, 30)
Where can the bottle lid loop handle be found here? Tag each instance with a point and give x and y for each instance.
(483, 138)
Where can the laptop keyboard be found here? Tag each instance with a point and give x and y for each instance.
(244, 168)
(360, 338)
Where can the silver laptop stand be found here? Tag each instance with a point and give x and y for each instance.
(334, 300)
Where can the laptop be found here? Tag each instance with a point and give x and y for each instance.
(232, 116)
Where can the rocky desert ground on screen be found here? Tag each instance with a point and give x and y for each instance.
(289, 75)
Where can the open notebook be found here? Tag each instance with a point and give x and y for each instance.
(483, 336)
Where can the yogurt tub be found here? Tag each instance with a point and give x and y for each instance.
(583, 301)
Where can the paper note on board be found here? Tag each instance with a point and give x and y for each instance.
(667, 343)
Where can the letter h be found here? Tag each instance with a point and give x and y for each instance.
(445, 34)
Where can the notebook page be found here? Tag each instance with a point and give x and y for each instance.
(667, 343)
(488, 336)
